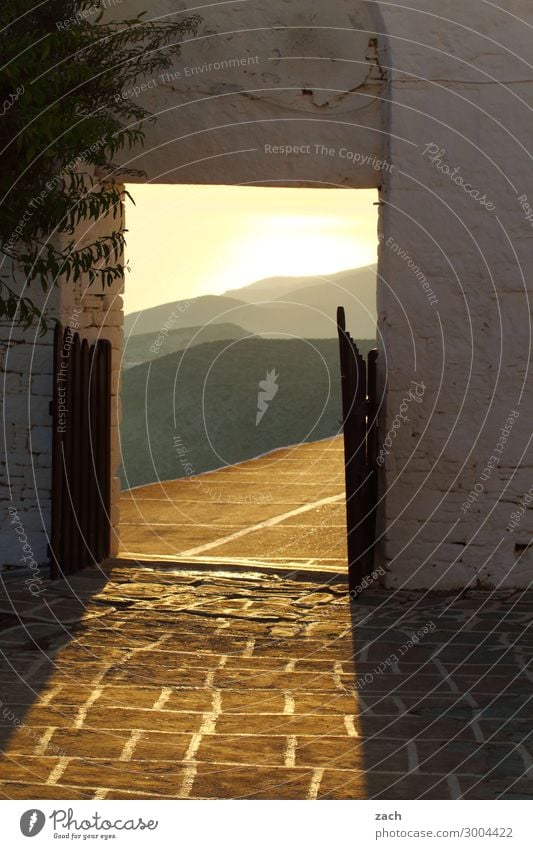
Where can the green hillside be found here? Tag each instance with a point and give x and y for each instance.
(207, 398)
(148, 346)
(181, 314)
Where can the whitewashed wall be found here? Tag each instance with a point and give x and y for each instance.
(454, 268)
(273, 93)
(27, 380)
(263, 74)
(454, 274)
(26, 458)
(459, 81)
(99, 313)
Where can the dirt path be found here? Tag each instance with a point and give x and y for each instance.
(284, 509)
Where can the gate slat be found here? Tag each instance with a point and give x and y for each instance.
(103, 361)
(92, 488)
(372, 441)
(107, 472)
(81, 452)
(57, 457)
(84, 456)
(359, 437)
(68, 536)
(75, 456)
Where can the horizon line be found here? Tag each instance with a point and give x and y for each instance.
(259, 280)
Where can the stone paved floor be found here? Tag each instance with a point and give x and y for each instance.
(287, 508)
(209, 685)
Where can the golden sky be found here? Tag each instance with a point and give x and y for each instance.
(185, 241)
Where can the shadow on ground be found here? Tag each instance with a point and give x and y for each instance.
(445, 698)
(157, 683)
(34, 630)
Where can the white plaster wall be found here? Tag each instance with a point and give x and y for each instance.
(299, 77)
(99, 312)
(310, 78)
(459, 79)
(313, 82)
(25, 457)
(27, 380)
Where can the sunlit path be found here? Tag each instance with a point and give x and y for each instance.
(286, 509)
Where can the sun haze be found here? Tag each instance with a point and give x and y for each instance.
(185, 241)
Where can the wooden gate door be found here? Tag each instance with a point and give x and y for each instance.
(81, 461)
(359, 413)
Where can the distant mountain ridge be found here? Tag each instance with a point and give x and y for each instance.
(277, 288)
(188, 313)
(301, 307)
(208, 398)
(143, 347)
(236, 375)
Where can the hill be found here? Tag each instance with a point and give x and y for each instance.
(303, 307)
(180, 314)
(207, 398)
(358, 281)
(143, 347)
(355, 290)
(268, 288)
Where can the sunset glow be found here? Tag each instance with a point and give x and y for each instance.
(185, 241)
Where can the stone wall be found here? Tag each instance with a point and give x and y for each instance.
(99, 313)
(27, 366)
(452, 293)
(431, 104)
(324, 113)
(262, 76)
(26, 456)
(460, 97)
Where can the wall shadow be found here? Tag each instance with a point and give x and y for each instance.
(34, 629)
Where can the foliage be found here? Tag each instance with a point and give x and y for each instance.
(64, 115)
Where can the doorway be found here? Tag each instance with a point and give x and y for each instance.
(231, 424)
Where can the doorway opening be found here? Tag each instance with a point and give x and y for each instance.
(231, 411)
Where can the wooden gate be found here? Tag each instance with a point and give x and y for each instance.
(81, 467)
(359, 413)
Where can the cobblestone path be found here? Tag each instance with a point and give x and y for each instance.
(159, 684)
(286, 508)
